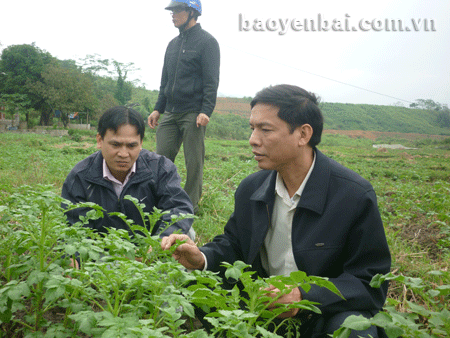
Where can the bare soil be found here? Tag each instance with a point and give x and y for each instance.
(225, 105)
(413, 232)
(373, 135)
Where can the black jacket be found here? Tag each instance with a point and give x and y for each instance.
(156, 183)
(190, 75)
(337, 233)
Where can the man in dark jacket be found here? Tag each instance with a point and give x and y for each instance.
(121, 168)
(303, 211)
(187, 94)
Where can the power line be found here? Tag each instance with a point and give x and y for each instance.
(318, 75)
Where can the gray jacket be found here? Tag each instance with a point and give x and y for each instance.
(190, 75)
(156, 183)
(337, 232)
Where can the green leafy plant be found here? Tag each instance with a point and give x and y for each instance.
(430, 319)
(121, 288)
(244, 310)
(413, 194)
(31, 258)
(36, 244)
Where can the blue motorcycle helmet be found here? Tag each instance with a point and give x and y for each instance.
(194, 4)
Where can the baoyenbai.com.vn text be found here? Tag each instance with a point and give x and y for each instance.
(345, 24)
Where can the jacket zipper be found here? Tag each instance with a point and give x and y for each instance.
(176, 69)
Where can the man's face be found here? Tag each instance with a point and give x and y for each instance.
(120, 150)
(274, 147)
(179, 16)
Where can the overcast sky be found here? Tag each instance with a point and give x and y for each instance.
(365, 62)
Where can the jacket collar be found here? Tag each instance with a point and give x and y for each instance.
(314, 194)
(191, 30)
(266, 191)
(96, 169)
(95, 172)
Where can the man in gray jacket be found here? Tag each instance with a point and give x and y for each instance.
(121, 168)
(187, 94)
(302, 212)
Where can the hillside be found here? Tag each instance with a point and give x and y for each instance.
(237, 106)
(345, 116)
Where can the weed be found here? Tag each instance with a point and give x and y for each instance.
(413, 189)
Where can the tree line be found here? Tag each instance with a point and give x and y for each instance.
(443, 112)
(35, 84)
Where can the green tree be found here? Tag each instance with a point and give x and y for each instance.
(123, 88)
(443, 117)
(66, 89)
(99, 69)
(15, 104)
(427, 104)
(146, 104)
(22, 64)
(94, 65)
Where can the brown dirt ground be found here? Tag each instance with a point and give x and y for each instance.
(373, 135)
(225, 105)
(424, 238)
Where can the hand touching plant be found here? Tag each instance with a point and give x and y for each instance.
(187, 254)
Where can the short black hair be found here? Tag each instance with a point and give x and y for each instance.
(296, 107)
(117, 116)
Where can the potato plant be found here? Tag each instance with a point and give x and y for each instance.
(122, 289)
(113, 294)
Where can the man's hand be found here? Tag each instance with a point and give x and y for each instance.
(139, 259)
(187, 254)
(74, 264)
(153, 119)
(294, 296)
(202, 119)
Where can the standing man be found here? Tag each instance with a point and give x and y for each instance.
(302, 211)
(187, 94)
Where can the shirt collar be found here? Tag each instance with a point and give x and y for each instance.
(107, 173)
(281, 190)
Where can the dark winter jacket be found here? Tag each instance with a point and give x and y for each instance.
(190, 75)
(155, 183)
(337, 233)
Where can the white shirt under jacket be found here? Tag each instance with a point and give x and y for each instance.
(277, 256)
(277, 248)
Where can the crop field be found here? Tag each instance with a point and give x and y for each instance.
(118, 296)
(239, 107)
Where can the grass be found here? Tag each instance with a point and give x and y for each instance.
(412, 186)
